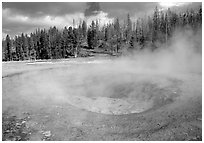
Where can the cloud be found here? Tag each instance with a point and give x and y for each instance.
(102, 17)
(121, 9)
(171, 4)
(12, 23)
(18, 17)
(36, 9)
(3, 35)
(93, 8)
(15, 24)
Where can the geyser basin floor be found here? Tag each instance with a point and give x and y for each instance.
(43, 93)
(110, 93)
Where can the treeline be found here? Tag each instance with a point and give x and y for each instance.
(113, 38)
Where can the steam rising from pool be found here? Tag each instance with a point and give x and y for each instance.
(121, 86)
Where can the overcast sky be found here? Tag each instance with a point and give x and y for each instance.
(18, 17)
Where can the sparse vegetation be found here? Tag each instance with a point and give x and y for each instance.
(14, 129)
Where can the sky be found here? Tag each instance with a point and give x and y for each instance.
(26, 17)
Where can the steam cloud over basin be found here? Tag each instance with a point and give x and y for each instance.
(115, 93)
(121, 86)
(103, 86)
